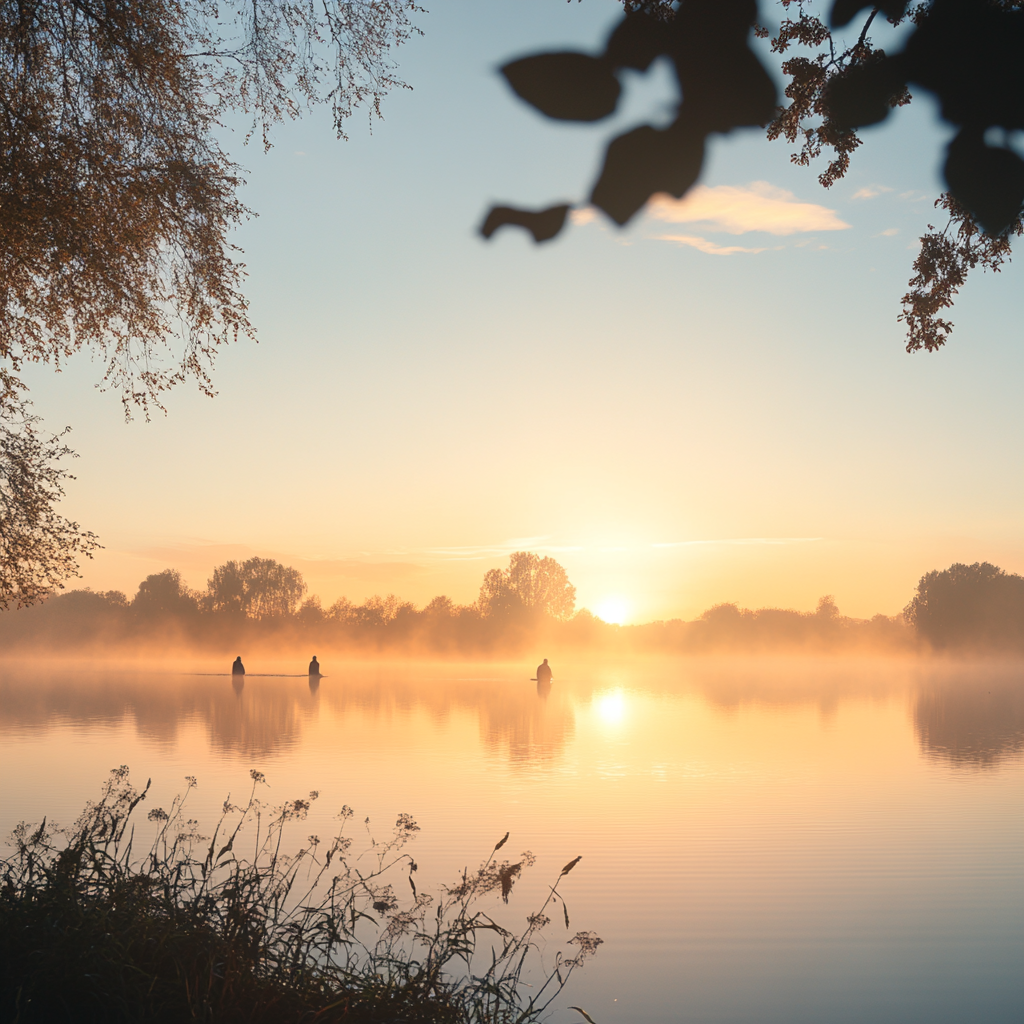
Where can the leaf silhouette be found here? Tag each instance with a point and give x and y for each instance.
(636, 41)
(644, 162)
(586, 1016)
(501, 842)
(565, 86)
(864, 95)
(987, 180)
(542, 224)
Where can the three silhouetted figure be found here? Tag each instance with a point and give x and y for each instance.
(544, 673)
(237, 668)
(314, 667)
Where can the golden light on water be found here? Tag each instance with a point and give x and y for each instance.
(614, 609)
(611, 708)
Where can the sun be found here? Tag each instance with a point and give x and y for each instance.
(613, 609)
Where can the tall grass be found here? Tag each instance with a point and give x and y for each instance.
(228, 928)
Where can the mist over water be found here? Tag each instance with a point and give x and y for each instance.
(762, 839)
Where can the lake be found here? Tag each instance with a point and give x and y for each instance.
(763, 840)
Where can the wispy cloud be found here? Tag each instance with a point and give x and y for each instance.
(705, 245)
(870, 191)
(737, 540)
(584, 215)
(754, 207)
(502, 549)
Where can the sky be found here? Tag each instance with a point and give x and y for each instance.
(711, 405)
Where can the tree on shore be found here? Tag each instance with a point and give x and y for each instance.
(164, 595)
(977, 605)
(258, 588)
(39, 548)
(531, 586)
(117, 200)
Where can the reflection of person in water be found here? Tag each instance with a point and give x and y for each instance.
(543, 689)
(543, 674)
(238, 669)
(314, 667)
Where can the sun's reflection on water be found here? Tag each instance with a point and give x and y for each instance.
(611, 708)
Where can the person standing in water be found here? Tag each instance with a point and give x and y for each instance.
(544, 673)
(238, 669)
(314, 667)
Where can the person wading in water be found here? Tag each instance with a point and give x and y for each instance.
(238, 669)
(314, 667)
(544, 673)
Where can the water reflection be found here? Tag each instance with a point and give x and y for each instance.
(257, 717)
(748, 824)
(972, 720)
(967, 717)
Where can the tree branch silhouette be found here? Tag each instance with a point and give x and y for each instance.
(968, 53)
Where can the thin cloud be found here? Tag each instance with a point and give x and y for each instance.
(870, 191)
(476, 553)
(584, 215)
(737, 540)
(705, 245)
(754, 207)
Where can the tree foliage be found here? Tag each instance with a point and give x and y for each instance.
(164, 594)
(531, 586)
(258, 588)
(978, 605)
(117, 200)
(39, 548)
(969, 53)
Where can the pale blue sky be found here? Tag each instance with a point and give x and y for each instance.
(678, 427)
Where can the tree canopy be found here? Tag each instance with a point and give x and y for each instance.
(968, 53)
(116, 196)
(39, 549)
(258, 588)
(117, 201)
(531, 586)
(976, 605)
(164, 594)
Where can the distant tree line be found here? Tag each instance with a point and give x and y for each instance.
(260, 601)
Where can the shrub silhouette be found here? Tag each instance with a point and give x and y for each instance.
(201, 929)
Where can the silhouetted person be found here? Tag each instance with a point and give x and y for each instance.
(238, 669)
(543, 674)
(314, 667)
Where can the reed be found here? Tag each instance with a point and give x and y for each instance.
(228, 928)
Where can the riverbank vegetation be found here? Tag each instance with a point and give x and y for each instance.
(228, 928)
(261, 604)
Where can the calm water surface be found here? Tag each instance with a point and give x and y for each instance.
(763, 841)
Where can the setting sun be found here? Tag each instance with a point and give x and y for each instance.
(613, 609)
